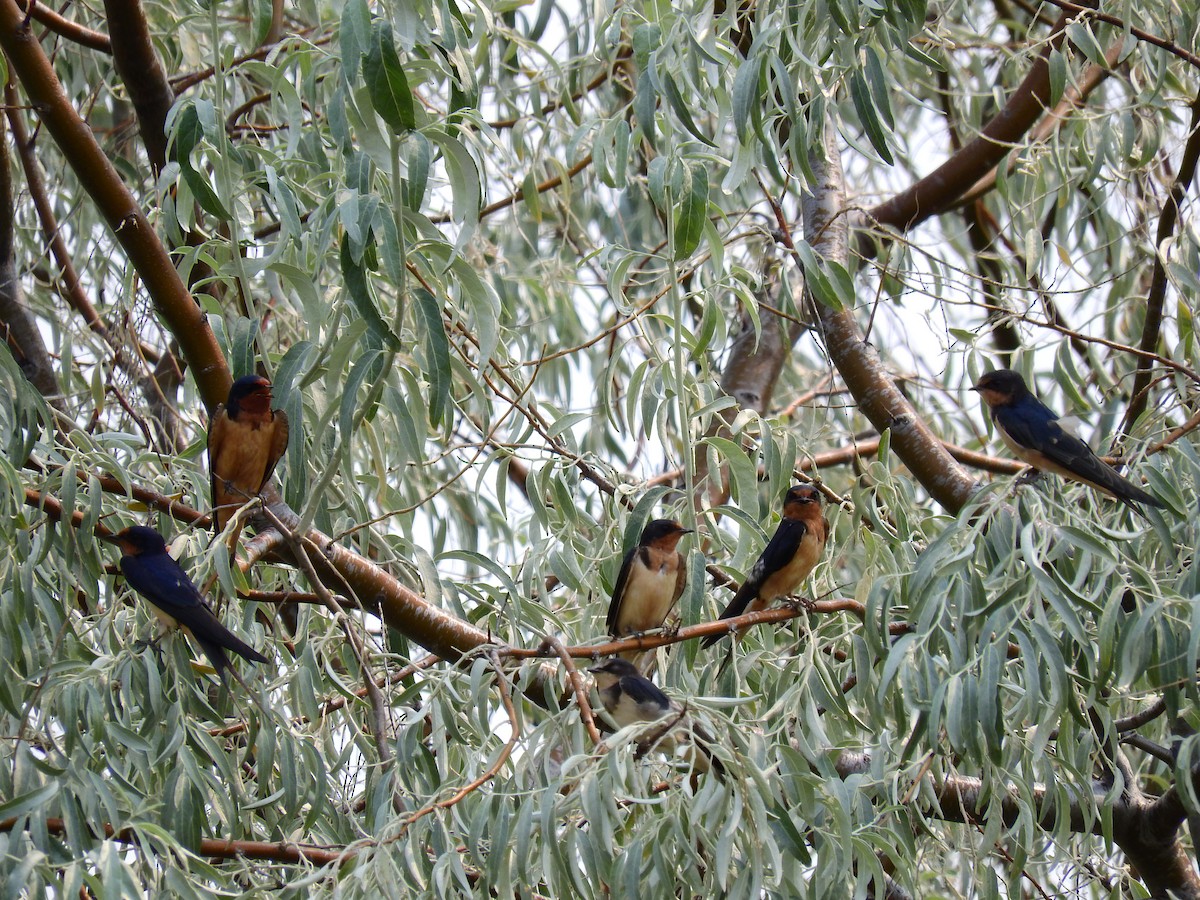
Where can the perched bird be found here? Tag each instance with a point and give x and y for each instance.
(1033, 433)
(630, 698)
(152, 572)
(790, 555)
(650, 582)
(245, 440)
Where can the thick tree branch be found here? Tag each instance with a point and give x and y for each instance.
(65, 28)
(858, 363)
(142, 75)
(1152, 328)
(20, 329)
(119, 207)
(937, 191)
(1148, 838)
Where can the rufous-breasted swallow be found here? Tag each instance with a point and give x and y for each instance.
(630, 698)
(651, 579)
(789, 556)
(154, 574)
(245, 440)
(1033, 433)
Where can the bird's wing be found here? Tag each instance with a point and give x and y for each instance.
(618, 594)
(279, 442)
(217, 433)
(650, 701)
(778, 553)
(1034, 427)
(680, 577)
(164, 583)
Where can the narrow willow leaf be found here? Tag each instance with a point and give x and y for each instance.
(868, 115)
(354, 275)
(386, 83)
(691, 211)
(436, 354)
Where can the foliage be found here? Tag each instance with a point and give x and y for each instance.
(494, 259)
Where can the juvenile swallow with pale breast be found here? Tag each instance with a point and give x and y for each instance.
(1033, 433)
(650, 582)
(154, 574)
(789, 556)
(245, 441)
(630, 698)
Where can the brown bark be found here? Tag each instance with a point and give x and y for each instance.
(937, 191)
(1156, 297)
(20, 329)
(857, 361)
(142, 75)
(120, 209)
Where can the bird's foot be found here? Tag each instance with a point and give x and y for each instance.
(798, 603)
(154, 644)
(1029, 476)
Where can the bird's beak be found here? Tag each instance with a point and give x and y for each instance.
(974, 387)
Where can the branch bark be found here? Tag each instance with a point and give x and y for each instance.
(937, 191)
(1152, 328)
(142, 75)
(20, 330)
(857, 361)
(117, 204)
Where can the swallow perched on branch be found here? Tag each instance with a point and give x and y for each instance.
(789, 556)
(630, 698)
(1033, 433)
(650, 582)
(245, 440)
(154, 574)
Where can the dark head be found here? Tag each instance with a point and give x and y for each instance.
(801, 496)
(250, 393)
(139, 540)
(615, 667)
(1001, 387)
(664, 533)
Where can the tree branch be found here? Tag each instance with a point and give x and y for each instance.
(1158, 281)
(118, 206)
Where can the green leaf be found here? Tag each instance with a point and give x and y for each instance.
(417, 155)
(691, 212)
(671, 90)
(868, 115)
(436, 359)
(747, 95)
(384, 76)
(645, 101)
(355, 35)
(29, 801)
(354, 276)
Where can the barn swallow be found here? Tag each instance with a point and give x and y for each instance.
(152, 572)
(650, 582)
(630, 698)
(245, 440)
(790, 555)
(1032, 431)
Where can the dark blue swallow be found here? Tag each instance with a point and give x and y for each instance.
(630, 698)
(1033, 433)
(152, 572)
